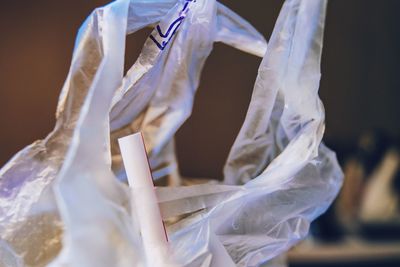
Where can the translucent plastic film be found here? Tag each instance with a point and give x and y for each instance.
(63, 201)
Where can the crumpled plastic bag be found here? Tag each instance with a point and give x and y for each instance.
(60, 200)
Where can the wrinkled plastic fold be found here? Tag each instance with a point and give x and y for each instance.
(63, 200)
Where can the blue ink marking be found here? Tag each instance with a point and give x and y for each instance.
(157, 43)
(172, 27)
(164, 43)
(184, 8)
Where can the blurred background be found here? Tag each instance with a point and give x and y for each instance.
(359, 87)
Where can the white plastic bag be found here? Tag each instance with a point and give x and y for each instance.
(62, 188)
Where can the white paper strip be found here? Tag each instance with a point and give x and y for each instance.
(145, 201)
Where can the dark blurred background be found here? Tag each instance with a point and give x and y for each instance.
(359, 87)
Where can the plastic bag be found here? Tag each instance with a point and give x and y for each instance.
(63, 189)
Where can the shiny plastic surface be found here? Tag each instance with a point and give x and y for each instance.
(61, 203)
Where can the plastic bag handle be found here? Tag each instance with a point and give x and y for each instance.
(233, 30)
